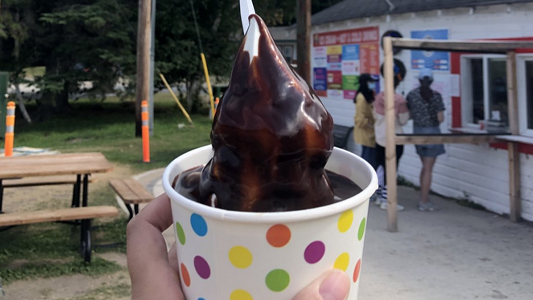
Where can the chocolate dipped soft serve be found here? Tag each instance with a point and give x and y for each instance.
(271, 137)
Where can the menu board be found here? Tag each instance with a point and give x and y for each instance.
(339, 57)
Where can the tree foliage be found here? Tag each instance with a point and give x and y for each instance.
(80, 41)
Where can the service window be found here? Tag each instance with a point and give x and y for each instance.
(525, 93)
(484, 90)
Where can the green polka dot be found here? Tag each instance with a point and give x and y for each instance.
(277, 280)
(181, 233)
(361, 229)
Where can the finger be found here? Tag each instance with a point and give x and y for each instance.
(334, 285)
(157, 212)
(152, 277)
(173, 258)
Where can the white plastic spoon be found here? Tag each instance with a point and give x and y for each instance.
(247, 8)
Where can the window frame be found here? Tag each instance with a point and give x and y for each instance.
(466, 88)
(522, 93)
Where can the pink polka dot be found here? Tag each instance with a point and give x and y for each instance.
(202, 267)
(314, 252)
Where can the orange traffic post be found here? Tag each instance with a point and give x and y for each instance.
(10, 129)
(216, 104)
(145, 131)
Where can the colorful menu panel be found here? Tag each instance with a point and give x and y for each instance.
(343, 56)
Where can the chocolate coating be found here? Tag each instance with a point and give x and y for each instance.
(271, 136)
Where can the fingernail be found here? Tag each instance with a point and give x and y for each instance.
(335, 287)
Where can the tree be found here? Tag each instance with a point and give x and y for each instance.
(86, 41)
(177, 47)
(77, 41)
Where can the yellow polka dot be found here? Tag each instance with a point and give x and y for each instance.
(345, 221)
(240, 295)
(240, 257)
(342, 262)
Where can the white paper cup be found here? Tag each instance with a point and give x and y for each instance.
(243, 255)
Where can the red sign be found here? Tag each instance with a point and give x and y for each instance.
(334, 80)
(369, 57)
(343, 37)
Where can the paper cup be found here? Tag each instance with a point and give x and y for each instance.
(243, 255)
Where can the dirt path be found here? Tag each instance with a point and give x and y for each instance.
(76, 287)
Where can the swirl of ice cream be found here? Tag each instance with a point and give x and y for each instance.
(271, 137)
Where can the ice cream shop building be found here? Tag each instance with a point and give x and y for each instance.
(346, 42)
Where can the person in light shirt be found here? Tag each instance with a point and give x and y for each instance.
(401, 118)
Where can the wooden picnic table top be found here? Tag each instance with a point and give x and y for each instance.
(58, 164)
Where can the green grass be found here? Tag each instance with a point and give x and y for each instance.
(97, 267)
(109, 127)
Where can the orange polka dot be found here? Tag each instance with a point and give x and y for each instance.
(356, 271)
(185, 275)
(278, 235)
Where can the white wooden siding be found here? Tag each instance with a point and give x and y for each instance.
(478, 171)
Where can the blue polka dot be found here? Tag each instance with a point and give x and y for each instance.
(201, 299)
(198, 224)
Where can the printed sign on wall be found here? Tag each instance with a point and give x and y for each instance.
(344, 55)
(435, 60)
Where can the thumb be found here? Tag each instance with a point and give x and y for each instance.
(334, 285)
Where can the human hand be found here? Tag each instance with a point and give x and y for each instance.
(154, 271)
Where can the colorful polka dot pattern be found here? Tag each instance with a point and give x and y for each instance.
(345, 221)
(180, 233)
(277, 236)
(185, 275)
(361, 229)
(240, 295)
(314, 252)
(356, 271)
(198, 225)
(202, 267)
(342, 262)
(277, 280)
(240, 257)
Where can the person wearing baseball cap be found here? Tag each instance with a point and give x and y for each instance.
(427, 111)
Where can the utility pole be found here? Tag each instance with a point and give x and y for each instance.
(143, 61)
(152, 58)
(303, 39)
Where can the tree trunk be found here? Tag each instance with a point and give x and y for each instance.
(45, 109)
(21, 104)
(62, 104)
(193, 91)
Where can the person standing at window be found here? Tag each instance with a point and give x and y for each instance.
(427, 111)
(401, 118)
(364, 119)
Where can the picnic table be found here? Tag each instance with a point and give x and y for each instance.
(43, 170)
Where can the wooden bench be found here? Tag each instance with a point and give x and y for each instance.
(132, 193)
(42, 181)
(341, 134)
(85, 214)
(37, 181)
